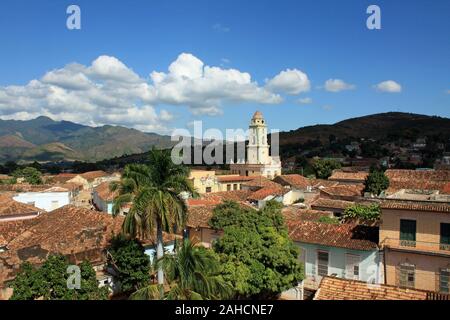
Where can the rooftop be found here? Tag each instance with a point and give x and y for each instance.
(331, 204)
(350, 190)
(293, 180)
(350, 176)
(10, 207)
(332, 288)
(343, 235)
(416, 206)
(265, 192)
(104, 192)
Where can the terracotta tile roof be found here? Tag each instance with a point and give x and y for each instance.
(233, 178)
(331, 203)
(104, 192)
(204, 202)
(350, 190)
(234, 195)
(344, 235)
(349, 176)
(332, 288)
(91, 175)
(296, 213)
(416, 206)
(263, 193)
(10, 207)
(417, 179)
(293, 180)
(319, 183)
(446, 188)
(260, 182)
(198, 216)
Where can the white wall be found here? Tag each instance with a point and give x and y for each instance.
(47, 201)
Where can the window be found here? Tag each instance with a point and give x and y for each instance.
(322, 263)
(228, 187)
(406, 275)
(352, 266)
(208, 189)
(235, 186)
(408, 233)
(444, 280)
(445, 236)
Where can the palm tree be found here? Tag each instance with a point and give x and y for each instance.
(154, 190)
(192, 274)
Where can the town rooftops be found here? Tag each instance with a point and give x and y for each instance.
(260, 182)
(338, 175)
(11, 208)
(199, 216)
(104, 192)
(321, 183)
(331, 204)
(333, 288)
(265, 192)
(343, 235)
(344, 190)
(293, 180)
(416, 206)
(295, 213)
(417, 180)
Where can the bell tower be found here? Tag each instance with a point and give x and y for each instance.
(258, 148)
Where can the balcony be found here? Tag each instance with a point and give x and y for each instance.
(417, 246)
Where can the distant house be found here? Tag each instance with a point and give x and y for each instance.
(283, 195)
(417, 180)
(347, 192)
(103, 197)
(48, 199)
(347, 250)
(87, 180)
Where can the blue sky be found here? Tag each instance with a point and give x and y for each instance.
(257, 40)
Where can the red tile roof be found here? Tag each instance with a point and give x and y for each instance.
(234, 195)
(294, 180)
(416, 206)
(104, 192)
(263, 193)
(332, 288)
(344, 235)
(295, 213)
(350, 190)
(331, 204)
(199, 216)
(260, 182)
(417, 179)
(318, 183)
(10, 207)
(349, 176)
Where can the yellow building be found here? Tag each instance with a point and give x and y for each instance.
(415, 236)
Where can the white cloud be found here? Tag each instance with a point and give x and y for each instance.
(109, 92)
(336, 85)
(290, 81)
(305, 100)
(389, 86)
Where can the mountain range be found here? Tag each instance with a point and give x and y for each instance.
(43, 139)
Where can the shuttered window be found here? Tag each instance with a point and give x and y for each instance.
(322, 263)
(408, 233)
(445, 236)
(407, 275)
(444, 281)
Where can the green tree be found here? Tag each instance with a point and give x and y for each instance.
(258, 258)
(128, 258)
(192, 273)
(155, 191)
(362, 212)
(324, 167)
(50, 282)
(30, 174)
(376, 182)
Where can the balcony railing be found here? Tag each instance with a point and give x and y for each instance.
(432, 247)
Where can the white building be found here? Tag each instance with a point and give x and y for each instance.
(259, 162)
(47, 200)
